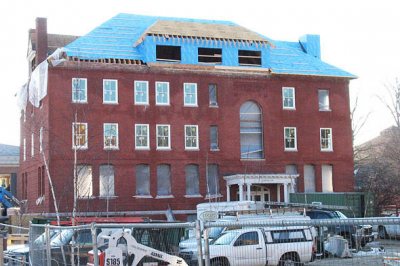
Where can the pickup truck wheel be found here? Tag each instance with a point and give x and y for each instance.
(219, 262)
(289, 259)
(382, 232)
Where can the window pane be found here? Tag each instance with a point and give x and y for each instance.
(327, 178)
(212, 90)
(212, 180)
(192, 179)
(142, 180)
(288, 97)
(162, 93)
(191, 137)
(141, 92)
(110, 136)
(142, 135)
(213, 137)
(163, 180)
(251, 143)
(106, 180)
(190, 94)
(309, 178)
(79, 90)
(323, 99)
(326, 139)
(84, 181)
(110, 91)
(163, 136)
(290, 138)
(79, 135)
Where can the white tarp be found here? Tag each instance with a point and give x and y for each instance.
(22, 97)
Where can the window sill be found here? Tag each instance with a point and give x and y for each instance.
(327, 150)
(143, 104)
(194, 105)
(289, 108)
(87, 198)
(79, 102)
(291, 150)
(217, 149)
(193, 196)
(192, 149)
(80, 148)
(142, 149)
(213, 196)
(325, 110)
(110, 103)
(163, 104)
(165, 197)
(163, 149)
(142, 196)
(213, 106)
(250, 159)
(108, 197)
(112, 149)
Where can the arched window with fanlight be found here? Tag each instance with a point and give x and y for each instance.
(251, 131)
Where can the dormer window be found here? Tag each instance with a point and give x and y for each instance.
(210, 55)
(168, 53)
(249, 58)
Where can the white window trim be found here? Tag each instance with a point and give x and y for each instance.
(73, 135)
(116, 91)
(329, 104)
(169, 137)
(147, 92)
(295, 139)
(148, 138)
(156, 93)
(184, 94)
(116, 147)
(294, 98)
(331, 139)
(86, 95)
(197, 138)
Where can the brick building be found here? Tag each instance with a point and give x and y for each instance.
(163, 113)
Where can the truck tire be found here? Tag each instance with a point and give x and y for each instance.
(219, 262)
(289, 259)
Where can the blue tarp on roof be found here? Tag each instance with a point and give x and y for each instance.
(117, 38)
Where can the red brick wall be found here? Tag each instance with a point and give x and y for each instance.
(233, 90)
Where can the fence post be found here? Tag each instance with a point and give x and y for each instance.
(1, 248)
(94, 240)
(199, 247)
(206, 248)
(48, 250)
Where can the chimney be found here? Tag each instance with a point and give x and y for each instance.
(41, 40)
(311, 45)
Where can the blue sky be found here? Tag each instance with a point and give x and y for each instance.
(361, 37)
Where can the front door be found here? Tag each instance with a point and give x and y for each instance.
(259, 193)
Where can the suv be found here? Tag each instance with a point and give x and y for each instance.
(355, 235)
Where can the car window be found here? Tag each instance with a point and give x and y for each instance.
(246, 239)
(225, 238)
(287, 236)
(84, 237)
(340, 215)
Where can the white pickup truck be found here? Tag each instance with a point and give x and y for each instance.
(257, 246)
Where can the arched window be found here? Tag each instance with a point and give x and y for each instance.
(251, 137)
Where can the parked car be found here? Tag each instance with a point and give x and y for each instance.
(389, 230)
(261, 246)
(356, 235)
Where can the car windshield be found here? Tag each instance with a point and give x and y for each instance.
(62, 238)
(340, 215)
(225, 238)
(214, 232)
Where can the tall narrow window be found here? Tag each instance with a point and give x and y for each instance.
(84, 181)
(32, 145)
(110, 91)
(162, 93)
(106, 180)
(142, 140)
(141, 92)
(212, 181)
(309, 178)
(163, 137)
(213, 137)
(190, 94)
(142, 180)
(323, 100)
(192, 180)
(291, 169)
(326, 139)
(288, 98)
(163, 180)
(24, 150)
(110, 136)
(41, 139)
(212, 93)
(290, 139)
(191, 137)
(327, 180)
(79, 136)
(79, 90)
(251, 137)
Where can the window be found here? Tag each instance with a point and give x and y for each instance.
(192, 180)
(212, 92)
(110, 135)
(291, 169)
(142, 136)
(309, 178)
(84, 181)
(190, 94)
(213, 137)
(106, 181)
(163, 137)
(191, 137)
(323, 100)
(288, 236)
(79, 136)
(290, 139)
(32, 145)
(141, 92)
(288, 98)
(251, 138)
(142, 180)
(326, 139)
(163, 180)
(24, 150)
(41, 139)
(212, 181)
(168, 53)
(246, 239)
(327, 180)
(162, 93)
(249, 58)
(41, 180)
(210, 55)
(110, 91)
(24, 185)
(79, 90)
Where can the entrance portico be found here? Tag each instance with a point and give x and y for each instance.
(246, 181)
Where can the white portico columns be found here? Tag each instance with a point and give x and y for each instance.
(248, 191)
(278, 192)
(228, 193)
